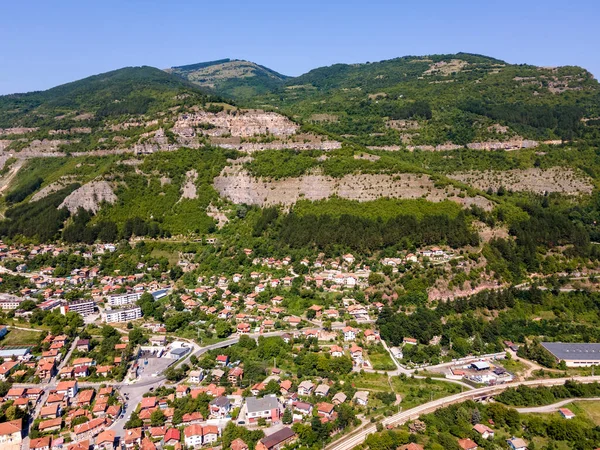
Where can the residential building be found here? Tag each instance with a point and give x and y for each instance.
(322, 390)
(361, 398)
(197, 435)
(306, 388)
(105, 440)
(411, 446)
(11, 435)
(6, 368)
(276, 440)
(133, 438)
(122, 315)
(43, 443)
(336, 351)
(126, 298)
(349, 334)
(235, 375)
(339, 398)
(172, 437)
(485, 431)
(517, 443)
(89, 430)
(69, 388)
(219, 407)
(82, 307)
(467, 444)
(196, 376)
(267, 408)
(238, 444)
(325, 410)
(47, 426)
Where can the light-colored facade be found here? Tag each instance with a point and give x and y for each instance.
(122, 315)
(124, 299)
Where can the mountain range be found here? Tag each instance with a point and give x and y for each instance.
(195, 149)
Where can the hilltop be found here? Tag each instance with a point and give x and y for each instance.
(235, 79)
(419, 102)
(442, 101)
(131, 90)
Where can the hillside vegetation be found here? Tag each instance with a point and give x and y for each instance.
(383, 157)
(442, 99)
(231, 78)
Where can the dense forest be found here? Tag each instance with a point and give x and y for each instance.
(459, 324)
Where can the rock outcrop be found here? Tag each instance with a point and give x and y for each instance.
(556, 179)
(89, 197)
(239, 186)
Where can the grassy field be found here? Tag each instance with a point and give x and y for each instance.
(541, 442)
(20, 337)
(371, 382)
(173, 257)
(589, 409)
(513, 366)
(381, 361)
(415, 391)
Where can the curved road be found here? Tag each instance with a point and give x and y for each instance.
(555, 406)
(352, 440)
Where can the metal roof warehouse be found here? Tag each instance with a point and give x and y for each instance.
(574, 354)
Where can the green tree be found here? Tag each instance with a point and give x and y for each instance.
(134, 421)
(157, 418)
(223, 329)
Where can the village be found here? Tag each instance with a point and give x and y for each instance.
(121, 379)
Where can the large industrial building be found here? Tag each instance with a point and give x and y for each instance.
(573, 354)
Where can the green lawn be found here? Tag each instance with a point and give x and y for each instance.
(589, 409)
(514, 366)
(371, 382)
(20, 337)
(381, 361)
(173, 257)
(415, 391)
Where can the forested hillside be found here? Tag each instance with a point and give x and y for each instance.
(443, 100)
(496, 162)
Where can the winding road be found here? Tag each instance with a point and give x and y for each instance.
(554, 406)
(352, 440)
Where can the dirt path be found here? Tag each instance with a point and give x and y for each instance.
(531, 366)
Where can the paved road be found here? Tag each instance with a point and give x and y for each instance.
(555, 406)
(352, 440)
(34, 414)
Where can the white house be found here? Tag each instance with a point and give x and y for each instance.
(349, 334)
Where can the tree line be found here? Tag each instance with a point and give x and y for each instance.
(365, 235)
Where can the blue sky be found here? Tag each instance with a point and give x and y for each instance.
(44, 43)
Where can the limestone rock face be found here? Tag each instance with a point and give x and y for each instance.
(246, 124)
(237, 185)
(188, 189)
(556, 179)
(89, 197)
